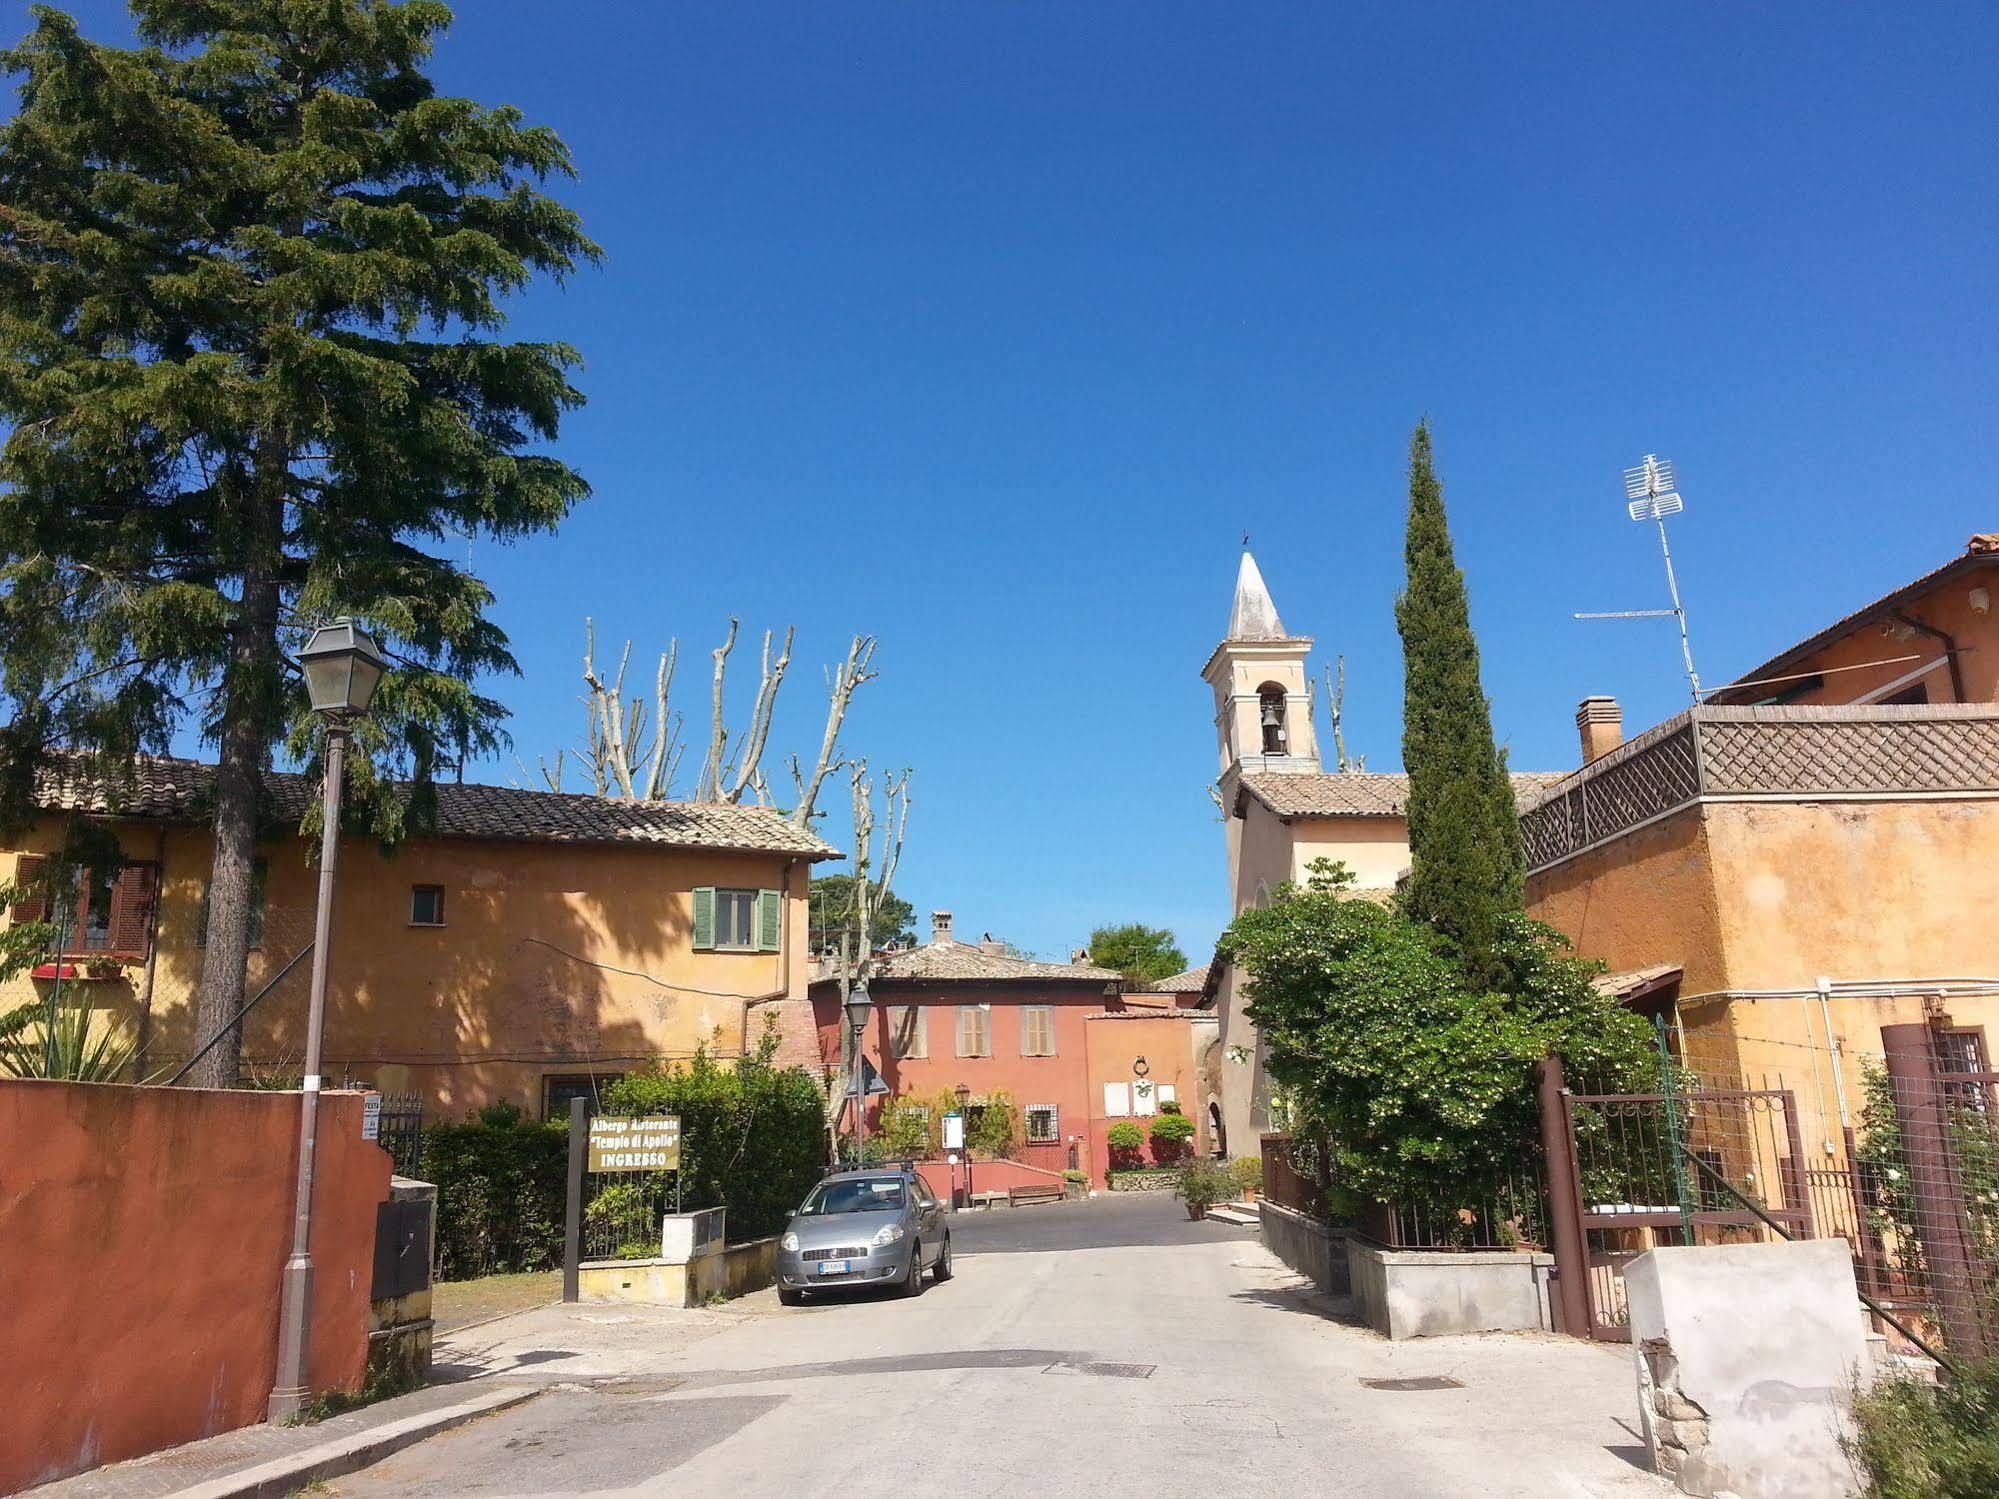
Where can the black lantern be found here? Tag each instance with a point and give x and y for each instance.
(964, 1096)
(343, 666)
(859, 1007)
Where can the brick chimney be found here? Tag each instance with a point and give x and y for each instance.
(940, 927)
(1601, 723)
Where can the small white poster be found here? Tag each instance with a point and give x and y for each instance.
(954, 1131)
(371, 1116)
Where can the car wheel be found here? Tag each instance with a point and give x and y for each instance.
(790, 1297)
(912, 1283)
(944, 1271)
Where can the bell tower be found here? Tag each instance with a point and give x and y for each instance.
(1263, 693)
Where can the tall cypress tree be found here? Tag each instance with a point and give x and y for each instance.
(1466, 862)
(249, 276)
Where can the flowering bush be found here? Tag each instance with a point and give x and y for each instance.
(1421, 1082)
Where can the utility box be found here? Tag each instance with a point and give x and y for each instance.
(685, 1237)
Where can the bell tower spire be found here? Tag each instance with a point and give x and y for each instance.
(1262, 685)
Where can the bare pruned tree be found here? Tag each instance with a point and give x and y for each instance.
(632, 748)
(874, 875)
(1336, 702)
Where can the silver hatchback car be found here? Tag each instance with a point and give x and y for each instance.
(862, 1228)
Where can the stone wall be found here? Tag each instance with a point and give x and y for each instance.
(1422, 1293)
(1747, 1355)
(1315, 1250)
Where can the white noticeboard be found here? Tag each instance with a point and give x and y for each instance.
(371, 1116)
(954, 1131)
(1117, 1100)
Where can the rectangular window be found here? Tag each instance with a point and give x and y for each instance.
(1117, 1100)
(93, 913)
(1037, 1030)
(736, 920)
(975, 1030)
(556, 1091)
(908, 1035)
(426, 905)
(1043, 1126)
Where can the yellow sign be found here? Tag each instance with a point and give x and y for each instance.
(651, 1144)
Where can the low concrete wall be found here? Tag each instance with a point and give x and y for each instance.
(1746, 1356)
(1315, 1250)
(1424, 1293)
(143, 1232)
(735, 1271)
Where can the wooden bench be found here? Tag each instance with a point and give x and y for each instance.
(1053, 1192)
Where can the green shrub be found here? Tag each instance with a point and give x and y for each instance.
(1170, 1136)
(1246, 1171)
(994, 1125)
(499, 1194)
(903, 1129)
(752, 1136)
(1125, 1139)
(1916, 1442)
(1076, 1178)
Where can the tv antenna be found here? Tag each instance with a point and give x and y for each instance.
(1650, 494)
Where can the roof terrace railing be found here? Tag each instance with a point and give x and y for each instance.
(1766, 753)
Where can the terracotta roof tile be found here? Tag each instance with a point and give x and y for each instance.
(970, 962)
(1363, 793)
(182, 791)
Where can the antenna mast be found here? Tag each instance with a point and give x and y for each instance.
(1651, 495)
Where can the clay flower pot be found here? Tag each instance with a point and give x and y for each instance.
(1197, 1210)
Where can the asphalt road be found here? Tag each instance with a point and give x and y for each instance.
(1094, 1349)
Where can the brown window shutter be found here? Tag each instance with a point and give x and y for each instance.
(29, 871)
(133, 896)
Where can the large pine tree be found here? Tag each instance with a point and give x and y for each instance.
(1466, 863)
(250, 274)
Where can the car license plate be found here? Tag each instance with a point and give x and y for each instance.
(833, 1267)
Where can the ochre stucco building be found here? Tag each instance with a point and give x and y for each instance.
(1781, 879)
(537, 944)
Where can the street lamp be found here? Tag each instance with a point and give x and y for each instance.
(859, 1009)
(342, 667)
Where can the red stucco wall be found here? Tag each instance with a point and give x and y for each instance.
(142, 1233)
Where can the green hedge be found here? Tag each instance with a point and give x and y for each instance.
(499, 1193)
(752, 1137)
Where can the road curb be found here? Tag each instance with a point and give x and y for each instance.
(284, 1475)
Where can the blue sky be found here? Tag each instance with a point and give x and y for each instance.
(989, 328)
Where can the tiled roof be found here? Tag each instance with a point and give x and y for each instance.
(1363, 793)
(968, 961)
(1980, 553)
(1190, 982)
(1638, 981)
(183, 791)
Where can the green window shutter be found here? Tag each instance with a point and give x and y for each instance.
(770, 920)
(704, 916)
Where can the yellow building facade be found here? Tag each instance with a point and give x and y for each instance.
(537, 945)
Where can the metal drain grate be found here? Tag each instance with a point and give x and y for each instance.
(1420, 1382)
(1110, 1371)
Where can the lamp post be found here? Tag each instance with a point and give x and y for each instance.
(859, 1009)
(342, 667)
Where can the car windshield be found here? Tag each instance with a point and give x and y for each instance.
(867, 1195)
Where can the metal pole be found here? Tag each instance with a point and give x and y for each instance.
(860, 1098)
(572, 1218)
(1679, 613)
(1565, 1231)
(288, 1394)
(1682, 1188)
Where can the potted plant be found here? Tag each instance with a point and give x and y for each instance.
(1246, 1172)
(1201, 1184)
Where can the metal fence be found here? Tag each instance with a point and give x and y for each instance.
(400, 1131)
